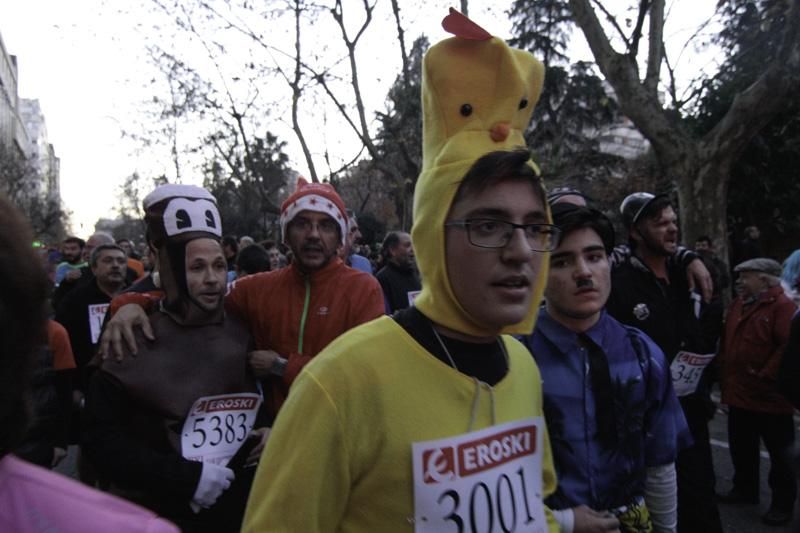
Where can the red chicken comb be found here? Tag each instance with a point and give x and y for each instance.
(461, 26)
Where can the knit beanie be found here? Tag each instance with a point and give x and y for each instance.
(317, 197)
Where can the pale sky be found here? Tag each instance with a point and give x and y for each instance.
(85, 62)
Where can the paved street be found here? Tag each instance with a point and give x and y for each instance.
(735, 518)
(742, 518)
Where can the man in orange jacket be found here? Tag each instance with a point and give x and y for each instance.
(292, 312)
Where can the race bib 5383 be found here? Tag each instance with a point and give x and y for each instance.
(218, 425)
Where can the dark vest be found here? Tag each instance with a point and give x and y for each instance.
(184, 364)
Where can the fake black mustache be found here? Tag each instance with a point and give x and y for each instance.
(584, 282)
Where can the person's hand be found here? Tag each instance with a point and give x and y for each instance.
(214, 480)
(261, 362)
(255, 453)
(699, 278)
(77, 399)
(588, 520)
(121, 327)
(73, 274)
(58, 456)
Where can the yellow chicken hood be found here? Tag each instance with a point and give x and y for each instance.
(478, 95)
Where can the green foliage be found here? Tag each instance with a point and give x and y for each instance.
(751, 33)
(542, 27)
(574, 106)
(381, 189)
(372, 229)
(400, 133)
(763, 189)
(249, 185)
(20, 183)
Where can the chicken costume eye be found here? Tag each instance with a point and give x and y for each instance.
(466, 110)
(523, 103)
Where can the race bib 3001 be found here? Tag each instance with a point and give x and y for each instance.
(486, 480)
(218, 425)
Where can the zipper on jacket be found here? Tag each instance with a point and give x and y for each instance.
(303, 316)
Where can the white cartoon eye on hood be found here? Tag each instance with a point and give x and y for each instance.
(183, 215)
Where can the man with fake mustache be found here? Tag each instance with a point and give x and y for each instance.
(615, 423)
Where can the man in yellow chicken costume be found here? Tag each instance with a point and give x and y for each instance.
(431, 420)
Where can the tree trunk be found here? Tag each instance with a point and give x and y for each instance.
(700, 168)
(701, 182)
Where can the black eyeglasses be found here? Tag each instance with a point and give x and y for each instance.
(490, 233)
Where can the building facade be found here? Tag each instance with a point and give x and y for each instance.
(40, 152)
(12, 131)
(29, 168)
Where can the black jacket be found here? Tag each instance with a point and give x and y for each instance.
(73, 314)
(397, 283)
(664, 311)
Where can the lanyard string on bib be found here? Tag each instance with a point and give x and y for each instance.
(478, 383)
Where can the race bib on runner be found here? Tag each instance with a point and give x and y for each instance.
(687, 369)
(487, 480)
(97, 313)
(412, 295)
(217, 426)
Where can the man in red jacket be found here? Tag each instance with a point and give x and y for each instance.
(296, 311)
(756, 332)
(293, 312)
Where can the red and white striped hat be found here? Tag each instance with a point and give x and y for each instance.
(317, 197)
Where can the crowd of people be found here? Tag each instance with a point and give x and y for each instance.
(507, 365)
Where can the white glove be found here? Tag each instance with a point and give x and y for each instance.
(214, 480)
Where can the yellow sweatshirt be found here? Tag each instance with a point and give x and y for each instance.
(340, 455)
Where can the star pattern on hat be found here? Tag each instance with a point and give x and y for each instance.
(320, 198)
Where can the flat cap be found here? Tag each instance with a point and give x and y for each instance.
(760, 264)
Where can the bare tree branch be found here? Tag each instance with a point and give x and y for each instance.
(401, 39)
(638, 104)
(671, 87)
(338, 16)
(754, 107)
(613, 21)
(348, 164)
(655, 51)
(636, 35)
(297, 93)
